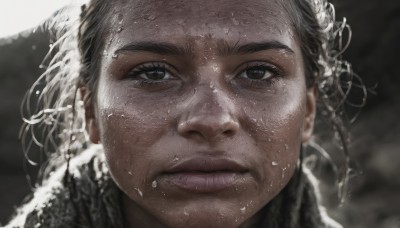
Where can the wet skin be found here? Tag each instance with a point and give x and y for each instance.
(201, 108)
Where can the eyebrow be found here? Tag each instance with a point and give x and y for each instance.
(161, 48)
(164, 48)
(250, 48)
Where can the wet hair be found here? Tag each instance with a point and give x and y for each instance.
(57, 124)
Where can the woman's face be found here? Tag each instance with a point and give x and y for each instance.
(201, 107)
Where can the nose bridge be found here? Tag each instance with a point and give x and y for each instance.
(209, 114)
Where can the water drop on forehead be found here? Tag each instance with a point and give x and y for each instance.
(235, 22)
(150, 17)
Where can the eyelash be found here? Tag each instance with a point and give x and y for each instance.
(146, 68)
(260, 83)
(248, 82)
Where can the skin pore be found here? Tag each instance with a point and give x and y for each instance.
(201, 107)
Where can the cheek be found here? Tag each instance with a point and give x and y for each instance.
(277, 132)
(127, 133)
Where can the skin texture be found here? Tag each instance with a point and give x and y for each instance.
(210, 104)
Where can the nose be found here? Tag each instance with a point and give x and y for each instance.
(209, 116)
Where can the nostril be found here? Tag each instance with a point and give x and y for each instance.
(228, 133)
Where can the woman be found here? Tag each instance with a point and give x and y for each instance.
(195, 115)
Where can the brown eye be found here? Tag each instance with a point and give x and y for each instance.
(151, 72)
(257, 73)
(157, 74)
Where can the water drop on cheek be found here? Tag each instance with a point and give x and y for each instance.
(176, 158)
(185, 212)
(274, 163)
(139, 192)
(154, 184)
(243, 209)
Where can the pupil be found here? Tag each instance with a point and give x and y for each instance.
(255, 74)
(155, 75)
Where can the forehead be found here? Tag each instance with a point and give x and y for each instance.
(230, 20)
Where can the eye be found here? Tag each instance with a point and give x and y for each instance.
(259, 72)
(151, 72)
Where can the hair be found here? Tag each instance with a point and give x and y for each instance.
(53, 109)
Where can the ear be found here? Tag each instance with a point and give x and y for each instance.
(90, 117)
(311, 108)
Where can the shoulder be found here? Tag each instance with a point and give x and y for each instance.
(62, 203)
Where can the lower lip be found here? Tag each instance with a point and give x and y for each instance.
(203, 182)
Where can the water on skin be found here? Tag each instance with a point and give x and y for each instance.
(139, 192)
(154, 184)
(150, 17)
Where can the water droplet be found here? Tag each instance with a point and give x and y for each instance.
(139, 192)
(105, 53)
(109, 115)
(235, 22)
(269, 140)
(226, 30)
(37, 92)
(243, 209)
(130, 173)
(186, 213)
(176, 158)
(120, 29)
(274, 163)
(154, 184)
(114, 56)
(150, 17)
(286, 147)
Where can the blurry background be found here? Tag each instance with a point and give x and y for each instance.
(374, 198)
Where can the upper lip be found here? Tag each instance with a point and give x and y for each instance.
(206, 164)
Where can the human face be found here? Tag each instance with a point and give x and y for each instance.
(201, 107)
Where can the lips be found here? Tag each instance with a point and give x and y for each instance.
(205, 175)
